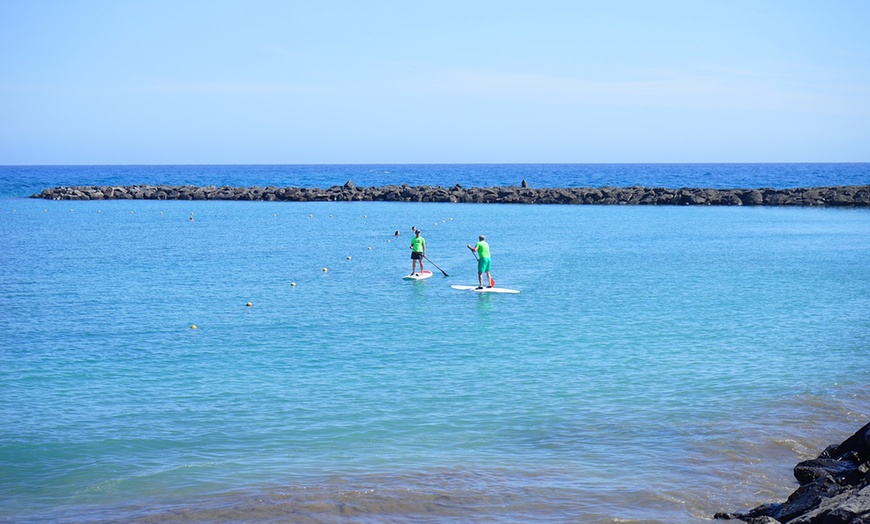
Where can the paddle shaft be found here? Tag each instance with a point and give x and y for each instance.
(436, 266)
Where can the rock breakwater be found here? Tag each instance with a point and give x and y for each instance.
(834, 488)
(840, 196)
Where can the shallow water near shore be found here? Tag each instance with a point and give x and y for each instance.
(659, 364)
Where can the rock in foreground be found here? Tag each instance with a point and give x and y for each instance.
(834, 489)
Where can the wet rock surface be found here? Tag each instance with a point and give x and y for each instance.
(834, 489)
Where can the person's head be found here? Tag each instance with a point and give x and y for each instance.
(417, 232)
(482, 238)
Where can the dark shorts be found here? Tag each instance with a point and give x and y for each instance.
(416, 256)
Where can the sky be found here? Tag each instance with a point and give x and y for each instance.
(414, 81)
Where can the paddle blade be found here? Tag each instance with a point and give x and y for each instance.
(491, 283)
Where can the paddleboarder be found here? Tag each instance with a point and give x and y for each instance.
(483, 262)
(418, 250)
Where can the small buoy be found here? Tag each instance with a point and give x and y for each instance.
(348, 258)
(191, 218)
(99, 210)
(275, 214)
(370, 248)
(310, 216)
(292, 284)
(330, 216)
(325, 270)
(131, 212)
(45, 210)
(193, 326)
(249, 304)
(161, 212)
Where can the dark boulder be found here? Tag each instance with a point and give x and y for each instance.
(752, 197)
(848, 196)
(834, 488)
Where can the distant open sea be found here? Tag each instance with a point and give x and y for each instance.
(659, 365)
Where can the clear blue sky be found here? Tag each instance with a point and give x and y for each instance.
(413, 81)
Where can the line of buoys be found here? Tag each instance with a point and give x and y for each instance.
(324, 269)
(100, 211)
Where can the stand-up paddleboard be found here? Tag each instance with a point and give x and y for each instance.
(486, 289)
(420, 275)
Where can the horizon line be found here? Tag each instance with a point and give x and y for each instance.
(442, 163)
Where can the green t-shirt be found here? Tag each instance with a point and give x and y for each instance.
(483, 249)
(417, 244)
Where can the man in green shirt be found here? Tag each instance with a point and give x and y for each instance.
(483, 263)
(418, 250)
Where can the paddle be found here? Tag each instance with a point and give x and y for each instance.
(491, 281)
(434, 264)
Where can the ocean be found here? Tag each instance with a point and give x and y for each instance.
(215, 361)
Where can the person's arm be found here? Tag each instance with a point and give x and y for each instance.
(473, 249)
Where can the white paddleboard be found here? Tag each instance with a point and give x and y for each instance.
(419, 275)
(486, 289)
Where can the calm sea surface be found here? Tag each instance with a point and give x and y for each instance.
(660, 363)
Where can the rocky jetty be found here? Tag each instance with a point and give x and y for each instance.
(834, 489)
(841, 196)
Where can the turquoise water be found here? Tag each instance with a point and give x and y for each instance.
(659, 364)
